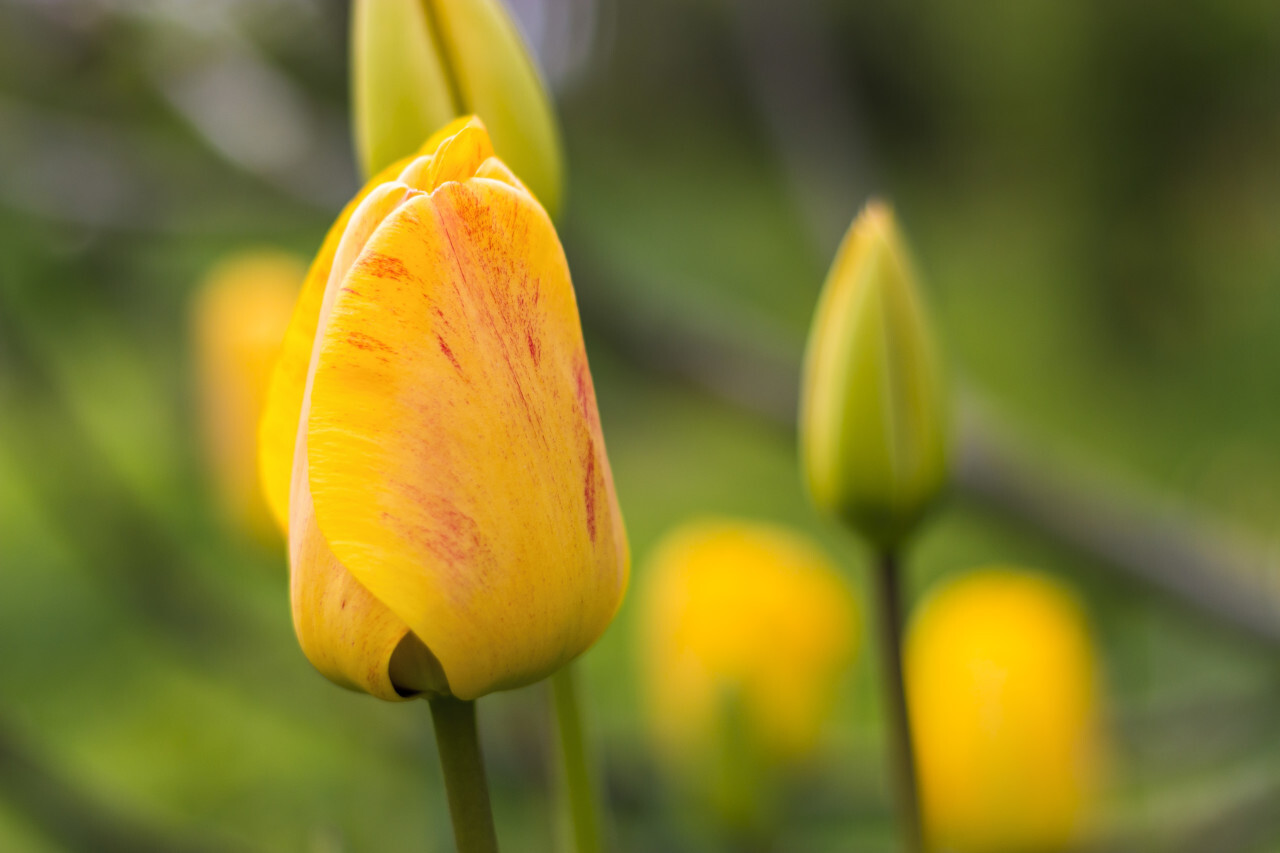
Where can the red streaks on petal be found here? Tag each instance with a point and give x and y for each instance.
(449, 534)
(444, 348)
(534, 350)
(586, 395)
(587, 409)
(589, 489)
(581, 378)
(368, 343)
(384, 266)
(515, 382)
(457, 540)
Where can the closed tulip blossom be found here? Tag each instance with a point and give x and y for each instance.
(239, 317)
(453, 527)
(745, 631)
(432, 446)
(1004, 698)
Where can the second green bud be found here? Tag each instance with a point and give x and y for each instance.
(874, 407)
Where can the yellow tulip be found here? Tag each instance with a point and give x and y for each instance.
(417, 64)
(743, 624)
(873, 415)
(239, 316)
(432, 439)
(1003, 686)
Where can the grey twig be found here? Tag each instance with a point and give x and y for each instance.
(1154, 540)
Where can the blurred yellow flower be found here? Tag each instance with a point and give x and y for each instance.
(432, 435)
(417, 64)
(747, 619)
(239, 316)
(873, 412)
(1003, 688)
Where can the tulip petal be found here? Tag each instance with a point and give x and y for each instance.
(456, 461)
(344, 631)
(278, 430)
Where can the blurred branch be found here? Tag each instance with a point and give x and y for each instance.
(1169, 549)
(202, 62)
(1161, 544)
(202, 59)
(109, 176)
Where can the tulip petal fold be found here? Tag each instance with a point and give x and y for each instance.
(345, 632)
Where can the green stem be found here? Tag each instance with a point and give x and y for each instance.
(459, 745)
(889, 601)
(578, 779)
(745, 798)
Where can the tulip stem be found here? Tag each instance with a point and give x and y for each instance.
(579, 781)
(903, 764)
(464, 780)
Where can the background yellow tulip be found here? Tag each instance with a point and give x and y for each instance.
(1003, 686)
(451, 496)
(239, 317)
(747, 619)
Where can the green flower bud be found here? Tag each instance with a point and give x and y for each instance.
(873, 413)
(418, 64)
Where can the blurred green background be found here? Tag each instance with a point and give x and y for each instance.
(1092, 190)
